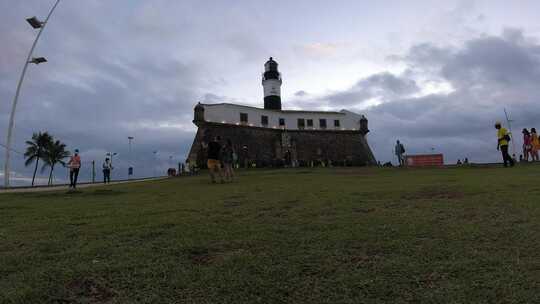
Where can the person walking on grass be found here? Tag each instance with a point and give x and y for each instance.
(503, 138)
(107, 168)
(535, 144)
(213, 163)
(74, 165)
(527, 145)
(227, 158)
(400, 150)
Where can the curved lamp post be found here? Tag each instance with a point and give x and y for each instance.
(35, 23)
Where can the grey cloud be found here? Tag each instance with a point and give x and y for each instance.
(386, 83)
(383, 86)
(300, 93)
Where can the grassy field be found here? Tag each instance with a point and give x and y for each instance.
(363, 235)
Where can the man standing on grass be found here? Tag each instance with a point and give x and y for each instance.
(107, 168)
(74, 165)
(399, 150)
(503, 137)
(213, 163)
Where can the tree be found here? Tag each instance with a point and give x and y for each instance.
(35, 149)
(55, 154)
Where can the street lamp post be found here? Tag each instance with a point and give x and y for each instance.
(155, 162)
(130, 169)
(36, 24)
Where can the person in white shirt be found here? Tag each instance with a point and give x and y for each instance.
(107, 168)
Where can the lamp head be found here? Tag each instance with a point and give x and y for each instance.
(34, 22)
(38, 60)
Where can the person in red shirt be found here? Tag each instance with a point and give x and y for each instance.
(74, 165)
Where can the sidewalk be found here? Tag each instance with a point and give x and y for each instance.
(79, 186)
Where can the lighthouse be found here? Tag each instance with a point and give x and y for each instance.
(271, 82)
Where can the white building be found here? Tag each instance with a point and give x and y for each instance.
(227, 113)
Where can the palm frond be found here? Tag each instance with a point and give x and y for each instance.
(29, 160)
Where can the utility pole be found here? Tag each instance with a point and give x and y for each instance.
(508, 121)
(93, 171)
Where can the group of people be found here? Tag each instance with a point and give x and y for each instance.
(74, 165)
(464, 162)
(531, 145)
(220, 160)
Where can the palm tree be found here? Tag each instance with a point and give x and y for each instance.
(55, 153)
(36, 149)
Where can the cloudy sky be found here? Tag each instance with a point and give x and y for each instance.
(435, 74)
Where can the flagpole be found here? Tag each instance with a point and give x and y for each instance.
(508, 120)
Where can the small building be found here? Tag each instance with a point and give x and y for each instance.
(271, 136)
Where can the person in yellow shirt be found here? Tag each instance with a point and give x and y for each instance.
(503, 138)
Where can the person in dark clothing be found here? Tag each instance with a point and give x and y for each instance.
(227, 158)
(107, 167)
(213, 162)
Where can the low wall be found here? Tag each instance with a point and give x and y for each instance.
(273, 147)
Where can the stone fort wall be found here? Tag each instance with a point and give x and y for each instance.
(273, 147)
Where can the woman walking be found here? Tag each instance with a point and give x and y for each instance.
(527, 148)
(227, 158)
(535, 144)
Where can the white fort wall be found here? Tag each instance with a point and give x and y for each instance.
(230, 114)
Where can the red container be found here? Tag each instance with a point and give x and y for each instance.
(424, 160)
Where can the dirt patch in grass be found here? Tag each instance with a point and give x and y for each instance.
(205, 256)
(364, 210)
(433, 193)
(231, 203)
(77, 224)
(202, 256)
(203, 259)
(363, 259)
(105, 192)
(88, 290)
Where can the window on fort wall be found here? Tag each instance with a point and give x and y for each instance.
(301, 123)
(243, 117)
(336, 123)
(310, 123)
(282, 122)
(322, 123)
(264, 120)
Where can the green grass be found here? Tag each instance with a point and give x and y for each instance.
(464, 235)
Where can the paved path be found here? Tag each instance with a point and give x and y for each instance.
(80, 186)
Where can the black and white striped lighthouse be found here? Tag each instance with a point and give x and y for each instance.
(271, 82)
